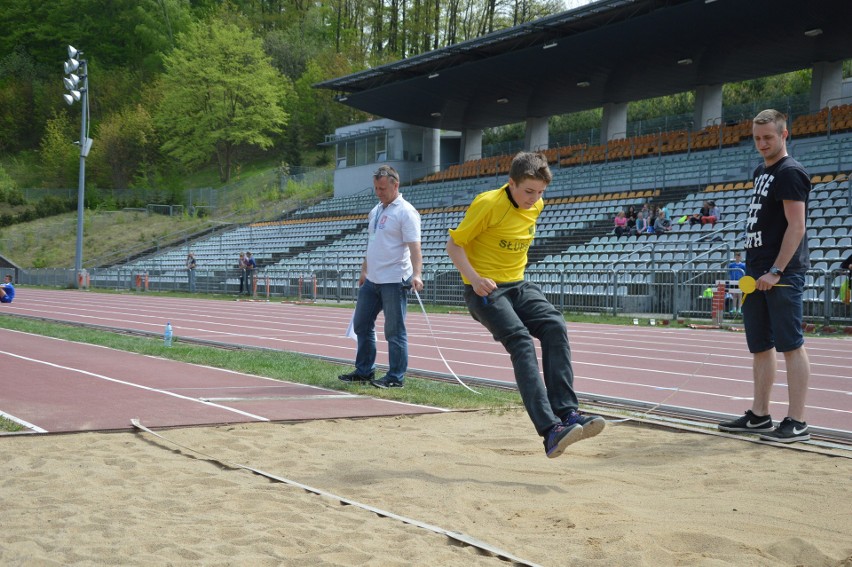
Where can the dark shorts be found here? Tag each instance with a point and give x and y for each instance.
(774, 318)
(5, 299)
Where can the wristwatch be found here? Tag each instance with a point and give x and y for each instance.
(775, 271)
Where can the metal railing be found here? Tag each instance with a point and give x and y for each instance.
(613, 290)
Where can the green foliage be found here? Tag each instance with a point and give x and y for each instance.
(158, 22)
(220, 94)
(797, 82)
(679, 103)
(59, 157)
(314, 110)
(127, 143)
(9, 192)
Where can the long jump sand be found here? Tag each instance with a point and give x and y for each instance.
(635, 495)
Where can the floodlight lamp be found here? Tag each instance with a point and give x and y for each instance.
(814, 32)
(72, 96)
(550, 45)
(85, 147)
(685, 61)
(502, 100)
(71, 65)
(71, 81)
(435, 115)
(434, 75)
(72, 52)
(584, 84)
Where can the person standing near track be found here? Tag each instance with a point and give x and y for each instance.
(777, 257)
(251, 267)
(736, 270)
(392, 266)
(241, 266)
(191, 264)
(7, 290)
(489, 249)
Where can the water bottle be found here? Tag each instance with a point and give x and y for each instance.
(167, 336)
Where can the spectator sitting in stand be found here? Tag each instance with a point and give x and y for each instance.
(631, 218)
(715, 214)
(698, 217)
(642, 225)
(662, 224)
(621, 224)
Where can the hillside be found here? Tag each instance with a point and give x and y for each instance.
(51, 242)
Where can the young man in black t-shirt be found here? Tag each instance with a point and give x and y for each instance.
(777, 258)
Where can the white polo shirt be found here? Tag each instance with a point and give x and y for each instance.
(391, 229)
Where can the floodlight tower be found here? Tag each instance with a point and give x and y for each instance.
(78, 90)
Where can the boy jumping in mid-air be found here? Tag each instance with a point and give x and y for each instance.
(489, 248)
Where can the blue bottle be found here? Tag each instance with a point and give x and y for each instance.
(167, 336)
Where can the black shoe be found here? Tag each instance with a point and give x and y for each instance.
(386, 382)
(592, 424)
(559, 437)
(788, 431)
(748, 423)
(353, 377)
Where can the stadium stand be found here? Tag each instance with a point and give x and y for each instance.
(318, 250)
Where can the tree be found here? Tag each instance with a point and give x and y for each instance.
(220, 94)
(59, 156)
(126, 141)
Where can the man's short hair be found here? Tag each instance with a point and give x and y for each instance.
(770, 115)
(530, 165)
(386, 171)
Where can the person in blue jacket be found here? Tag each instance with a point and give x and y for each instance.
(7, 290)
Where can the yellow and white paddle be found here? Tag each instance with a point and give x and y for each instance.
(748, 285)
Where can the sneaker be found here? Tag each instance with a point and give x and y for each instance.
(591, 424)
(788, 431)
(386, 382)
(559, 437)
(748, 423)
(356, 377)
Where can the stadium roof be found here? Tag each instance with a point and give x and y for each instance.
(611, 51)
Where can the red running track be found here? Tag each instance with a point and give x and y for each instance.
(52, 385)
(708, 371)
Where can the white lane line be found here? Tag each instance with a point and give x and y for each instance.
(131, 384)
(23, 423)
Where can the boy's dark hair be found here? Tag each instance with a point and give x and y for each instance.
(530, 165)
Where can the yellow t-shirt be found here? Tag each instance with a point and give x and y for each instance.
(496, 235)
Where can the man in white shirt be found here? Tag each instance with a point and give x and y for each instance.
(393, 265)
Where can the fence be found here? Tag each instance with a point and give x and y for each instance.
(661, 294)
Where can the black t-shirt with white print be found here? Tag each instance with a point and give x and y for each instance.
(785, 180)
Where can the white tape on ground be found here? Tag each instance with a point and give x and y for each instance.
(432, 332)
(462, 538)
